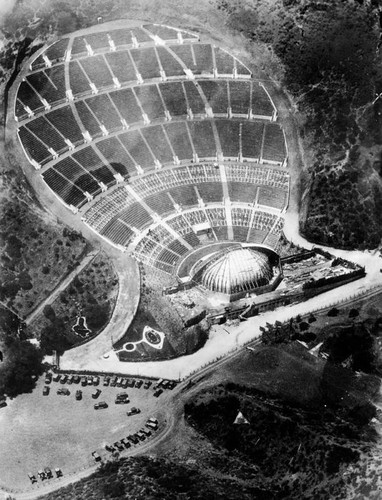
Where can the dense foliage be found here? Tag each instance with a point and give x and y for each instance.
(293, 452)
(20, 361)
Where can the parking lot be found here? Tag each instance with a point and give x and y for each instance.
(61, 431)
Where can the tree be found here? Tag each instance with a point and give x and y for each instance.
(22, 364)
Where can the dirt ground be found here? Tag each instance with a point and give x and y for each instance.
(58, 431)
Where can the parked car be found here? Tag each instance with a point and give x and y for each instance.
(48, 378)
(146, 432)
(158, 393)
(63, 392)
(119, 381)
(110, 448)
(158, 384)
(141, 436)
(118, 445)
(58, 472)
(96, 393)
(106, 381)
(147, 384)
(48, 473)
(96, 456)
(126, 443)
(113, 382)
(56, 377)
(89, 380)
(122, 401)
(171, 384)
(63, 379)
(152, 423)
(133, 411)
(133, 438)
(70, 379)
(76, 379)
(46, 390)
(124, 383)
(95, 380)
(101, 404)
(78, 395)
(32, 478)
(84, 381)
(138, 384)
(41, 474)
(130, 383)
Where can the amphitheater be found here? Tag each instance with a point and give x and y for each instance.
(149, 134)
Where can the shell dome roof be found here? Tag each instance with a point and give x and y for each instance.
(238, 270)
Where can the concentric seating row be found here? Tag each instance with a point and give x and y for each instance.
(156, 100)
(161, 249)
(130, 152)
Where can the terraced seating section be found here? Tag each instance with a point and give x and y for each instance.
(28, 97)
(251, 139)
(240, 96)
(97, 41)
(69, 193)
(78, 46)
(107, 207)
(194, 99)
(211, 192)
(174, 98)
(242, 192)
(91, 162)
(216, 93)
(135, 216)
(97, 71)
(47, 134)
(64, 121)
(88, 120)
(34, 148)
(127, 105)
(121, 66)
(185, 53)
(181, 226)
(72, 171)
(150, 100)
(272, 197)
(229, 134)
(156, 139)
(20, 112)
(180, 140)
(274, 144)
(171, 66)
(160, 203)
(203, 138)
(121, 37)
(261, 105)
(137, 148)
(224, 62)
(55, 53)
(177, 247)
(240, 233)
(118, 232)
(105, 111)
(49, 84)
(203, 58)
(146, 62)
(184, 196)
(79, 83)
(117, 156)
